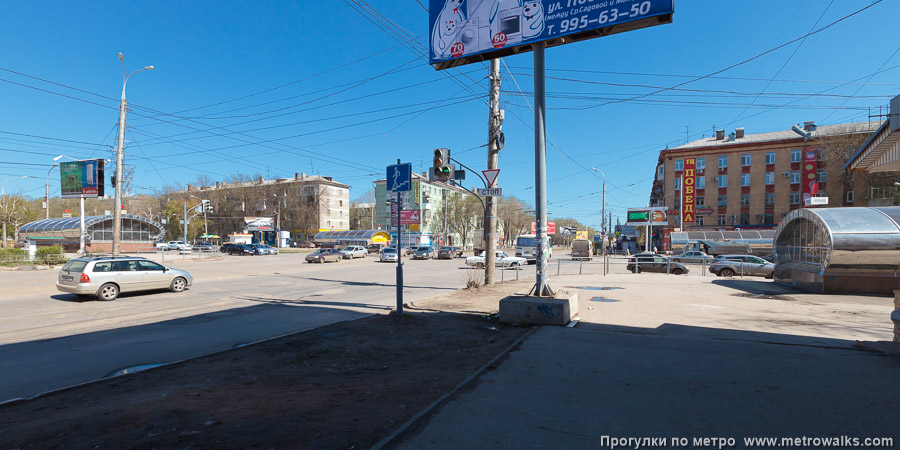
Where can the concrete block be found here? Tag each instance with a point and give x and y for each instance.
(540, 310)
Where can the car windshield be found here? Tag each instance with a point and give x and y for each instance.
(389, 250)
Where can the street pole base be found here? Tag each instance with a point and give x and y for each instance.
(545, 292)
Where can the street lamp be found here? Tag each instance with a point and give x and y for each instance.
(603, 206)
(47, 202)
(3, 197)
(120, 155)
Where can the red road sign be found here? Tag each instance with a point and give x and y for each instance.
(491, 176)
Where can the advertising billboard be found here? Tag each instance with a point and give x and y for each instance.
(810, 174)
(467, 31)
(259, 223)
(81, 179)
(646, 216)
(687, 191)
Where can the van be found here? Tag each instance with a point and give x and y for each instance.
(582, 249)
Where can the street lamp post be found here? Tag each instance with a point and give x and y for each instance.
(3, 197)
(120, 156)
(603, 206)
(47, 203)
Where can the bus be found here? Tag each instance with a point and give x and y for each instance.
(526, 248)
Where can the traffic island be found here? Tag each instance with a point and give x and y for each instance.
(556, 310)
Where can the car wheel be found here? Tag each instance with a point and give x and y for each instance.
(770, 276)
(178, 284)
(479, 265)
(676, 260)
(726, 273)
(108, 292)
(677, 271)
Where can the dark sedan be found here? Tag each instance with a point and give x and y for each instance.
(242, 250)
(655, 263)
(323, 255)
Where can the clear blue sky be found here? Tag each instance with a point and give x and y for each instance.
(274, 88)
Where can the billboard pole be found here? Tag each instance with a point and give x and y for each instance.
(541, 285)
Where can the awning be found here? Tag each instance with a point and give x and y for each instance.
(881, 152)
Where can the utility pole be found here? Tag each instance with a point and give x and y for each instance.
(494, 145)
(603, 209)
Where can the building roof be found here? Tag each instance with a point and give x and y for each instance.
(298, 178)
(782, 135)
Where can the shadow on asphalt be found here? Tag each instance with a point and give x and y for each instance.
(756, 286)
(302, 301)
(369, 283)
(72, 298)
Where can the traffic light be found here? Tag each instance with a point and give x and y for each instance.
(443, 170)
(205, 205)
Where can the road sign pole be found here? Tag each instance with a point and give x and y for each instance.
(541, 285)
(492, 163)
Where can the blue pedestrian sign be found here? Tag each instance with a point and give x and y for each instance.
(398, 177)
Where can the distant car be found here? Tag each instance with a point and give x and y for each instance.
(423, 252)
(302, 244)
(178, 245)
(260, 249)
(228, 246)
(501, 259)
(271, 250)
(354, 251)
(323, 255)
(731, 265)
(242, 250)
(106, 277)
(692, 257)
(374, 248)
(162, 245)
(650, 262)
(446, 253)
(388, 254)
(205, 247)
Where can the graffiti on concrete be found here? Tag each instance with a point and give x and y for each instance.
(549, 311)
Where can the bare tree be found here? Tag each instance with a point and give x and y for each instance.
(463, 214)
(515, 220)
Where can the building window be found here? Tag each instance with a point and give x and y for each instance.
(660, 171)
(701, 182)
(795, 156)
(745, 159)
(723, 200)
(723, 180)
(849, 196)
(677, 184)
(795, 177)
(795, 198)
(700, 201)
(770, 178)
(745, 199)
(678, 204)
(699, 220)
(821, 176)
(770, 157)
(745, 179)
(721, 220)
(340, 203)
(770, 198)
(679, 165)
(745, 219)
(723, 161)
(701, 164)
(820, 155)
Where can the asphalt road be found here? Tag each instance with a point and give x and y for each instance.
(50, 340)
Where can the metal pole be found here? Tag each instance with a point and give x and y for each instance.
(492, 163)
(399, 254)
(81, 228)
(48, 191)
(603, 208)
(120, 155)
(541, 284)
(185, 223)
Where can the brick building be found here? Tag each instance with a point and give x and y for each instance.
(753, 180)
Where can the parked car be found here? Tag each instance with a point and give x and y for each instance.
(388, 254)
(178, 245)
(162, 245)
(423, 252)
(302, 244)
(354, 251)
(226, 247)
(582, 249)
(260, 249)
(692, 257)
(323, 255)
(108, 276)
(650, 262)
(243, 250)
(374, 248)
(446, 253)
(270, 249)
(205, 247)
(731, 265)
(501, 259)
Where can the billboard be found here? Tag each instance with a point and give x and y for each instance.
(467, 31)
(646, 216)
(551, 228)
(259, 223)
(81, 179)
(687, 191)
(810, 169)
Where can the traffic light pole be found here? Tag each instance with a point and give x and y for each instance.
(399, 254)
(493, 161)
(542, 241)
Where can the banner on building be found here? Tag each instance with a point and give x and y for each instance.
(259, 224)
(551, 228)
(687, 191)
(810, 169)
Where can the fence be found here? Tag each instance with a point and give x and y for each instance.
(51, 259)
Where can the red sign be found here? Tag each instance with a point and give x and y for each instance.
(410, 217)
(457, 49)
(499, 40)
(687, 191)
(810, 166)
(551, 228)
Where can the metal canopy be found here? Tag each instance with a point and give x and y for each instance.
(70, 227)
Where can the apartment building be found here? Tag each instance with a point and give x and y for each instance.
(753, 180)
(437, 204)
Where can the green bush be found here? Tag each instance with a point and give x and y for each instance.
(49, 255)
(12, 252)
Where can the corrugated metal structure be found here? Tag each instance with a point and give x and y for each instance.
(352, 237)
(97, 228)
(853, 250)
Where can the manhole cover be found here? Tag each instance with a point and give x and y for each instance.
(603, 300)
(765, 296)
(596, 288)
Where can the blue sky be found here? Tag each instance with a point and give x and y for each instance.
(274, 88)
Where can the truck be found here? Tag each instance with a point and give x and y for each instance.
(478, 241)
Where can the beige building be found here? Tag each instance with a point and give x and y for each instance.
(753, 180)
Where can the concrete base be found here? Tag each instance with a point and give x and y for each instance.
(540, 310)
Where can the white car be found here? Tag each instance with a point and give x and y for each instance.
(178, 245)
(388, 254)
(501, 259)
(354, 251)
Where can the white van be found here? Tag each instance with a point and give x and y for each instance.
(582, 249)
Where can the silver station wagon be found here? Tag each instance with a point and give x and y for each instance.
(107, 276)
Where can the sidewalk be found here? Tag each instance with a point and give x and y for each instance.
(693, 361)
